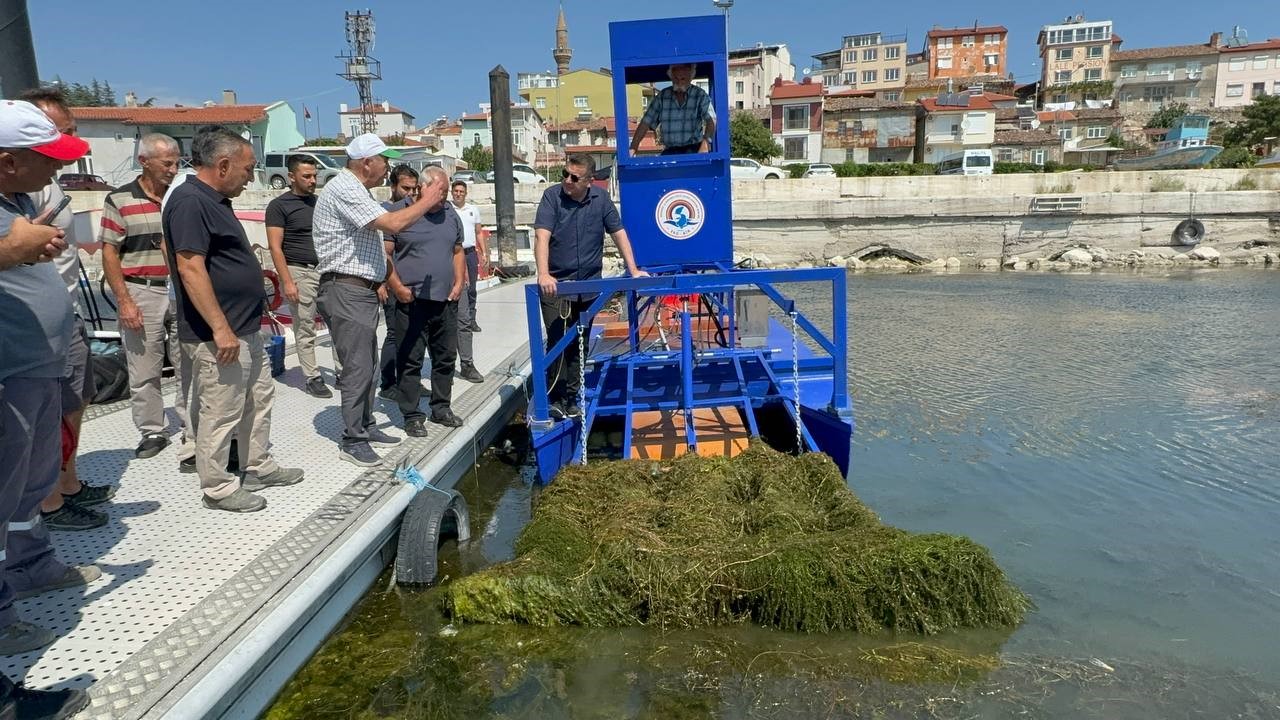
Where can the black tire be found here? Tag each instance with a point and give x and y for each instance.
(430, 513)
(772, 176)
(277, 182)
(1188, 232)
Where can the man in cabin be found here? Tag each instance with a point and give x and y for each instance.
(426, 279)
(36, 329)
(682, 113)
(133, 263)
(474, 252)
(353, 267)
(569, 231)
(218, 284)
(293, 252)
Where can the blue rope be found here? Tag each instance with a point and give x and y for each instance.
(411, 476)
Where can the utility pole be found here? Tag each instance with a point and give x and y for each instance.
(360, 67)
(504, 193)
(17, 53)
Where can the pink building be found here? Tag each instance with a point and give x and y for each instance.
(1247, 71)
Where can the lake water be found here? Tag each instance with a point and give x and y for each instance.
(1114, 439)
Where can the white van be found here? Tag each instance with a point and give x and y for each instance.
(276, 168)
(969, 162)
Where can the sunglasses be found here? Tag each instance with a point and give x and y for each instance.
(572, 177)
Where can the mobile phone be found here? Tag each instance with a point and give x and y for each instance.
(66, 200)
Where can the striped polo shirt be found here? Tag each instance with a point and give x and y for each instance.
(131, 224)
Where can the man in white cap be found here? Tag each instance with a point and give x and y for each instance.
(352, 264)
(35, 323)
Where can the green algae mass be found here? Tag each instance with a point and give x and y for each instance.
(765, 538)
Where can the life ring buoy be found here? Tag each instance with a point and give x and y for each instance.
(1188, 232)
(276, 298)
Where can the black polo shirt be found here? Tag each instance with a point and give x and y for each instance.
(424, 251)
(200, 220)
(293, 213)
(577, 231)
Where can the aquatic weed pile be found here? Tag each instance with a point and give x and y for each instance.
(764, 537)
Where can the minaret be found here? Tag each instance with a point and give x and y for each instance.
(562, 53)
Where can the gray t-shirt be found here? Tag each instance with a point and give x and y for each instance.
(424, 251)
(35, 309)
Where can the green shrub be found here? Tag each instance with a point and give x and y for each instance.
(1237, 156)
(1244, 183)
(1167, 184)
(797, 170)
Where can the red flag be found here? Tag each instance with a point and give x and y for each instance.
(306, 113)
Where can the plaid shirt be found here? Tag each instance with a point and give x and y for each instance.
(680, 124)
(345, 241)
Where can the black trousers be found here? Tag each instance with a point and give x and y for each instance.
(425, 326)
(387, 360)
(682, 149)
(560, 315)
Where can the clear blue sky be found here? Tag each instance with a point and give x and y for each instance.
(436, 55)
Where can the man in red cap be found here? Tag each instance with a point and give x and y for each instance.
(35, 323)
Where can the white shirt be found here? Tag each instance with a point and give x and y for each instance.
(470, 215)
(341, 228)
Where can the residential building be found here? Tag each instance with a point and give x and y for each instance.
(1035, 147)
(870, 61)
(597, 138)
(753, 70)
(528, 131)
(1247, 70)
(450, 140)
(967, 52)
(1084, 132)
(919, 86)
(1148, 79)
(1075, 56)
(387, 119)
(113, 132)
(796, 120)
(867, 129)
(953, 122)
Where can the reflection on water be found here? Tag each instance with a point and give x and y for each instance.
(1115, 440)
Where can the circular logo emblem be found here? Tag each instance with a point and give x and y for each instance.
(679, 214)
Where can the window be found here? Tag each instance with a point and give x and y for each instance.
(795, 117)
(1259, 88)
(1157, 93)
(580, 101)
(891, 74)
(850, 56)
(1062, 76)
(1004, 155)
(1092, 74)
(868, 76)
(991, 60)
(1236, 64)
(739, 87)
(944, 63)
(944, 43)
(897, 96)
(966, 41)
(1063, 54)
(540, 103)
(977, 123)
(1193, 69)
(1037, 156)
(795, 148)
(1129, 71)
(851, 78)
(475, 137)
(1095, 133)
(1165, 69)
(892, 53)
(991, 39)
(644, 99)
(1260, 62)
(1060, 98)
(1095, 51)
(1275, 90)
(738, 104)
(1192, 92)
(1065, 133)
(870, 54)
(1235, 90)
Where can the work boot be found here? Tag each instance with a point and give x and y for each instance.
(151, 445)
(316, 388)
(469, 373)
(240, 501)
(19, 703)
(377, 438)
(73, 517)
(90, 495)
(415, 427)
(359, 453)
(74, 576)
(23, 637)
(281, 477)
(447, 418)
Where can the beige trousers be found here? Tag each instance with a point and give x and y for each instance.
(144, 355)
(304, 320)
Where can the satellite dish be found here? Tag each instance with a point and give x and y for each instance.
(1035, 123)
(965, 125)
(806, 71)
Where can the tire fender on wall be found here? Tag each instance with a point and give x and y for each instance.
(1188, 232)
(431, 512)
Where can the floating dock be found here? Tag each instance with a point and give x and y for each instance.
(204, 614)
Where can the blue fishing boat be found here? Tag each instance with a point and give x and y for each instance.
(702, 357)
(1185, 146)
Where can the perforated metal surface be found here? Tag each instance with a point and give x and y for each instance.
(178, 580)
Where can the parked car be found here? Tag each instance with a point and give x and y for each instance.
(469, 177)
(276, 168)
(525, 174)
(819, 170)
(748, 169)
(82, 181)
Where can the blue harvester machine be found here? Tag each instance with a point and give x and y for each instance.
(703, 357)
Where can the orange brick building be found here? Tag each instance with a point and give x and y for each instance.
(967, 52)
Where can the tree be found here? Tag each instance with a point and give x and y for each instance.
(1261, 121)
(749, 138)
(1168, 115)
(478, 157)
(95, 94)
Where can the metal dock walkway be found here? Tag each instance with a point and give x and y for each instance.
(207, 614)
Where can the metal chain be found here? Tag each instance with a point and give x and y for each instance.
(582, 389)
(795, 382)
